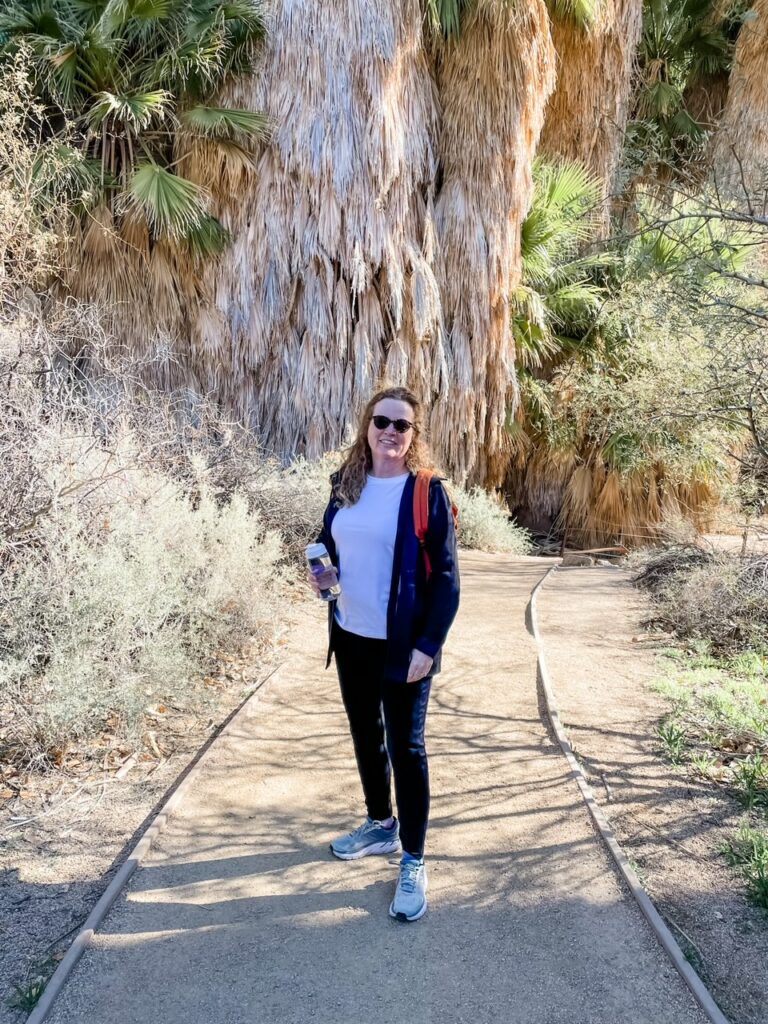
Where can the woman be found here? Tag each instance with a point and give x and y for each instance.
(388, 626)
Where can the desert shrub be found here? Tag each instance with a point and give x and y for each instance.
(292, 499)
(485, 525)
(105, 617)
(720, 599)
(658, 567)
(295, 498)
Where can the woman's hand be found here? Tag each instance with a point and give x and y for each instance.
(420, 665)
(322, 579)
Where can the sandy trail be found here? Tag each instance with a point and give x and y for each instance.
(241, 914)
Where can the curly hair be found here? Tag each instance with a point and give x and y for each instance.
(350, 480)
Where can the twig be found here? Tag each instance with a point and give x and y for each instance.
(685, 935)
(608, 790)
(666, 838)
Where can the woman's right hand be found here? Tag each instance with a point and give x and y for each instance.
(322, 579)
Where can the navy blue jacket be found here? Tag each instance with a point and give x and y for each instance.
(420, 611)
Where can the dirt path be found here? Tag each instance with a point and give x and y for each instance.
(242, 915)
(670, 824)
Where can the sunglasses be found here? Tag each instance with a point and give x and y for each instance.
(382, 422)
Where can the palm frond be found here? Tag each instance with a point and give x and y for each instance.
(121, 17)
(207, 238)
(134, 112)
(62, 173)
(444, 16)
(171, 205)
(574, 303)
(226, 123)
(582, 13)
(249, 16)
(33, 20)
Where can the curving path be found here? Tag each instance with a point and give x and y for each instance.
(241, 916)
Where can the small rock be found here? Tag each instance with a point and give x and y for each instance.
(575, 559)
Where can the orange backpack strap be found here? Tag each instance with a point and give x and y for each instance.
(421, 512)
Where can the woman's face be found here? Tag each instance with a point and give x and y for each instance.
(389, 447)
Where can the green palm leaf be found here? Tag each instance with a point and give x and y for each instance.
(581, 13)
(444, 16)
(61, 172)
(134, 112)
(35, 20)
(171, 205)
(249, 15)
(120, 70)
(208, 237)
(226, 123)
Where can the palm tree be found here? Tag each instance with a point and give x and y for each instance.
(584, 462)
(740, 148)
(684, 57)
(376, 233)
(133, 79)
(557, 319)
(380, 234)
(493, 84)
(596, 44)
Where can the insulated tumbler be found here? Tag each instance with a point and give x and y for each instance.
(319, 559)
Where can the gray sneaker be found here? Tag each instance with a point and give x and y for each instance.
(371, 837)
(410, 902)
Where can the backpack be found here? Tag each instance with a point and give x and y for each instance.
(421, 512)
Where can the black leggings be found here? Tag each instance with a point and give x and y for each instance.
(387, 721)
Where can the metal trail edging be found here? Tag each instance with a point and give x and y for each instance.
(700, 992)
(104, 903)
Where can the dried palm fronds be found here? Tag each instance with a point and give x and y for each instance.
(349, 259)
(740, 150)
(328, 284)
(494, 81)
(603, 506)
(587, 113)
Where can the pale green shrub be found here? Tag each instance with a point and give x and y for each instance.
(292, 499)
(484, 524)
(100, 622)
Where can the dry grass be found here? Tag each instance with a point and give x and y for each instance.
(603, 506)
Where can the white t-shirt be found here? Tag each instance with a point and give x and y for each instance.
(365, 541)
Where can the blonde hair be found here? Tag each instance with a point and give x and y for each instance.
(358, 459)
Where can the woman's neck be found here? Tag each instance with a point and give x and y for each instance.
(387, 468)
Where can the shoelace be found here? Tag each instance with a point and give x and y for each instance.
(356, 833)
(409, 872)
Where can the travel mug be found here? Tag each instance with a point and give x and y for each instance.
(318, 559)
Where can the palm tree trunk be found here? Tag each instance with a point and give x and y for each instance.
(494, 82)
(740, 149)
(587, 114)
(373, 237)
(329, 285)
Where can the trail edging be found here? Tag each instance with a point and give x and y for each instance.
(104, 904)
(698, 989)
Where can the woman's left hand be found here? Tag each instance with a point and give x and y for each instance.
(420, 665)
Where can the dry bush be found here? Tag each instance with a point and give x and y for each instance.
(716, 597)
(97, 624)
(129, 553)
